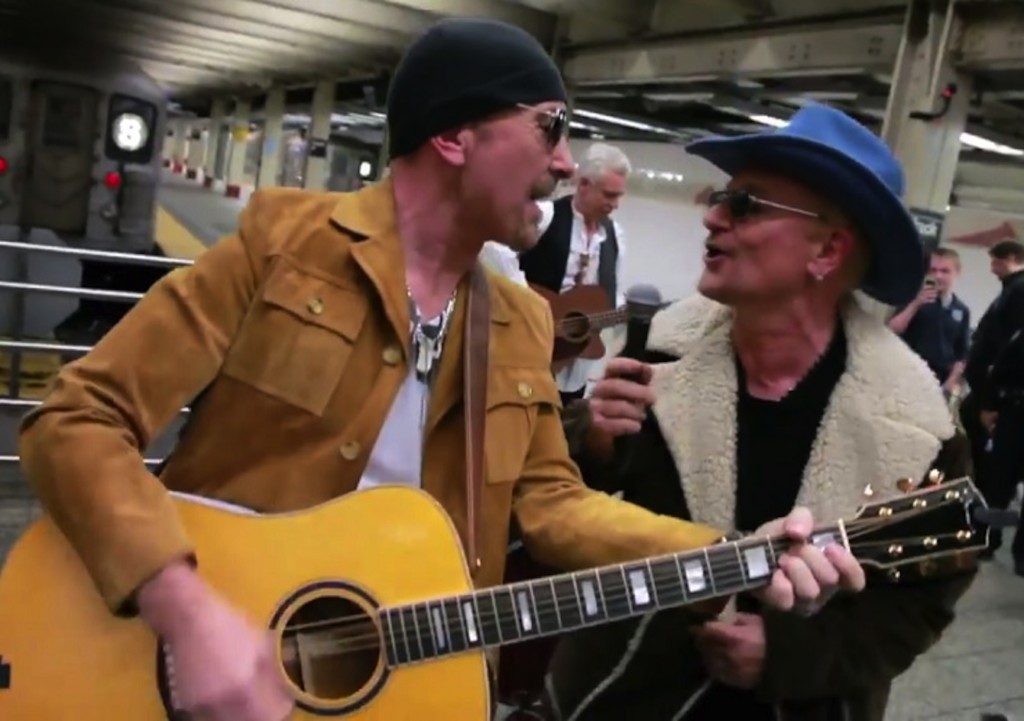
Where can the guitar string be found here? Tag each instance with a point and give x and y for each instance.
(586, 320)
(371, 639)
(728, 575)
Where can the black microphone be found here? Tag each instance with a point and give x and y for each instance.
(642, 302)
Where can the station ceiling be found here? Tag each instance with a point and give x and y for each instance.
(661, 69)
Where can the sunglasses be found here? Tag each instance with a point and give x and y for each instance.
(554, 123)
(742, 204)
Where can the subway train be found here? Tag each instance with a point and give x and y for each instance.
(80, 162)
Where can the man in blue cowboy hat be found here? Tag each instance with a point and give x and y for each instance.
(772, 387)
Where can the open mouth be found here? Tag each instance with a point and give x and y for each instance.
(712, 251)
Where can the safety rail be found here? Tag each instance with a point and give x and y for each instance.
(20, 288)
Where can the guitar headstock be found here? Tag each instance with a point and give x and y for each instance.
(926, 529)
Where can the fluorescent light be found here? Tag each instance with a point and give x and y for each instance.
(980, 143)
(968, 139)
(769, 120)
(624, 122)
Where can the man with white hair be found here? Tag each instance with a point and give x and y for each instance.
(582, 245)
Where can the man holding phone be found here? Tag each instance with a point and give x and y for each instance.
(937, 324)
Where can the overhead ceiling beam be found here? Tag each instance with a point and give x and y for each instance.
(281, 25)
(795, 51)
(542, 25)
(991, 39)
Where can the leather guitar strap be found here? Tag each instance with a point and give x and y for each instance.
(476, 350)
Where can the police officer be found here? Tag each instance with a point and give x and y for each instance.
(995, 372)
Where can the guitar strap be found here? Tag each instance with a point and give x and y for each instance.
(476, 350)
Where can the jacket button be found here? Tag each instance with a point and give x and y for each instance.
(525, 390)
(392, 355)
(350, 451)
(315, 305)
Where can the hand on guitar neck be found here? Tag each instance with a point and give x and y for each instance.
(224, 668)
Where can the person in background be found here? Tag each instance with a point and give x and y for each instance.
(583, 245)
(769, 388)
(995, 407)
(936, 324)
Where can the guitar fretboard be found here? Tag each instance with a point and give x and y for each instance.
(531, 609)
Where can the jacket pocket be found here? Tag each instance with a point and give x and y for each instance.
(296, 339)
(514, 398)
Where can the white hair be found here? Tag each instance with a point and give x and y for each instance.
(602, 158)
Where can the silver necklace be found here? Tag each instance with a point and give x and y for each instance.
(428, 338)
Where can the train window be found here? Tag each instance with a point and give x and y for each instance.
(63, 121)
(6, 106)
(130, 126)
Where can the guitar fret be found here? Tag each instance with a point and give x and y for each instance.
(710, 572)
(614, 593)
(694, 576)
(441, 637)
(546, 599)
(524, 609)
(588, 591)
(394, 655)
(406, 618)
(505, 613)
(640, 586)
(538, 613)
(487, 619)
(567, 601)
(456, 625)
(424, 649)
(667, 582)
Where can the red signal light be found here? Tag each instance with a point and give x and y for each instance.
(112, 180)
(3, 165)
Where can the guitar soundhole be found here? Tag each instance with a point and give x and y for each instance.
(576, 327)
(331, 648)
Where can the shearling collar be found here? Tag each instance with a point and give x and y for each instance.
(885, 421)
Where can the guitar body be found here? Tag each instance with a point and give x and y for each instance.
(69, 658)
(578, 338)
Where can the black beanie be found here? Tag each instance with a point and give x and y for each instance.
(461, 70)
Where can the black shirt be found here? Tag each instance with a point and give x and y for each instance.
(940, 334)
(773, 446)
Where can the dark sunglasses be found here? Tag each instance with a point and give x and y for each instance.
(554, 123)
(741, 204)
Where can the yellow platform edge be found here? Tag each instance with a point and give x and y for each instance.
(174, 239)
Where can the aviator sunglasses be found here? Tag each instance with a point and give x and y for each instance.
(554, 123)
(742, 204)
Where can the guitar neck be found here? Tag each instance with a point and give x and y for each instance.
(553, 605)
(598, 321)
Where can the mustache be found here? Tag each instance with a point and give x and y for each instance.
(544, 188)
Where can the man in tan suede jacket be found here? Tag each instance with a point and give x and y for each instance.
(296, 329)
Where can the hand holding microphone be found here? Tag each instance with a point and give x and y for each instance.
(619, 401)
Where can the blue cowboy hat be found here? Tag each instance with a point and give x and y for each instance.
(831, 152)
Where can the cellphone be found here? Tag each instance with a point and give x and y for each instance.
(930, 283)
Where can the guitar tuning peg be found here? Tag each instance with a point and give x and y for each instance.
(935, 477)
(905, 485)
(869, 491)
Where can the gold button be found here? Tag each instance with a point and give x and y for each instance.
(350, 450)
(392, 355)
(525, 390)
(315, 305)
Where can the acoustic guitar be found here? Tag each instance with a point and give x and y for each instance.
(580, 314)
(370, 602)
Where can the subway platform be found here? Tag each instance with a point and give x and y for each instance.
(977, 668)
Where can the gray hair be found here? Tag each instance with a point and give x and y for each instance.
(602, 158)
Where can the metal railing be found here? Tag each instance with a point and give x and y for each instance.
(21, 288)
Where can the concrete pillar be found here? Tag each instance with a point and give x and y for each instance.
(196, 150)
(927, 109)
(212, 149)
(180, 146)
(239, 138)
(319, 136)
(270, 155)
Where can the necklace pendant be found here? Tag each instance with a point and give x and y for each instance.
(424, 356)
